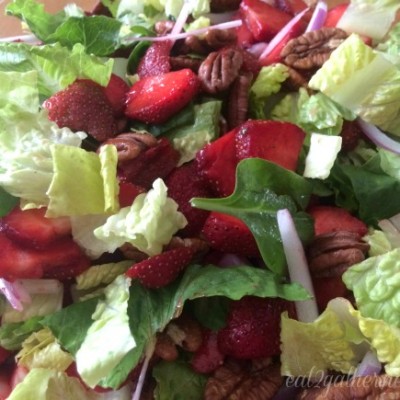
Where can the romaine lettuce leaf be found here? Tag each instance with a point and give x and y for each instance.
(343, 78)
(375, 283)
(56, 66)
(12, 335)
(263, 188)
(378, 242)
(391, 46)
(148, 224)
(41, 350)
(109, 333)
(95, 192)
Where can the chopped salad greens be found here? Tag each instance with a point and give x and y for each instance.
(180, 184)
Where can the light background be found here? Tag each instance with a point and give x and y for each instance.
(10, 26)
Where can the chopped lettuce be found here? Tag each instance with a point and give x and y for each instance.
(378, 242)
(375, 283)
(109, 337)
(148, 224)
(95, 192)
(343, 78)
(321, 155)
(56, 66)
(26, 165)
(41, 350)
(102, 274)
(369, 17)
(391, 46)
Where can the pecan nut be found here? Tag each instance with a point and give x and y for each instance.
(218, 38)
(243, 381)
(220, 69)
(186, 333)
(165, 348)
(360, 388)
(224, 5)
(181, 62)
(313, 48)
(332, 253)
(130, 145)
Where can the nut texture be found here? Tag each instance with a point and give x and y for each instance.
(312, 49)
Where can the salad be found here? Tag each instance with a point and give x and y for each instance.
(199, 200)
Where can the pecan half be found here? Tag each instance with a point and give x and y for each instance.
(312, 49)
(244, 381)
(224, 5)
(238, 102)
(181, 62)
(361, 388)
(130, 145)
(295, 80)
(218, 38)
(220, 69)
(186, 333)
(165, 348)
(332, 253)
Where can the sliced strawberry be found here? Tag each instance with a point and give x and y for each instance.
(279, 142)
(184, 183)
(155, 99)
(328, 288)
(253, 328)
(263, 20)
(83, 106)
(229, 234)
(244, 37)
(156, 162)
(156, 60)
(335, 14)
(18, 375)
(162, 269)
(21, 262)
(332, 219)
(32, 229)
(351, 134)
(116, 92)
(128, 192)
(208, 356)
(5, 385)
(292, 7)
(4, 354)
(216, 164)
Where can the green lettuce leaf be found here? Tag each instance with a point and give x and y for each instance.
(95, 192)
(41, 350)
(375, 283)
(263, 188)
(56, 66)
(343, 77)
(148, 224)
(391, 46)
(378, 242)
(49, 384)
(7, 202)
(334, 337)
(111, 322)
(13, 334)
(178, 381)
(151, 310)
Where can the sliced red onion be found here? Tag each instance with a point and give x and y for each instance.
(257, 49)
(378, 137)
(40, 286)
(31, 39)
(143, 371)
(319, 16)
(369, 365)
(307, 311)
(232, 260)
(14, 293)
(282, 33)
(225, 25)
(182, 18)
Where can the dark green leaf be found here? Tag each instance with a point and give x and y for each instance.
(177, 381)
(263, 188)
(13, 334)
(211, 312)
(136, 54)
(7, 202)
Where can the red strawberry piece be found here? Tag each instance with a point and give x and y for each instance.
(332, 219)
(156, 60)
(184, 183)
(162, 269)
(116, 92)
(263, 20)
(18, 375)
(156, 162)
(155, 99)
(275, 141)
(250, 63)
(63, 257)
(244, 37)
(83, 106)
(5, 384)
(32, 229)
(208, 357)
(253, 328)
(335, 14)
(351, 133)
(4, 354)
(292, 7)
(328, 288)
(229, 234)
(128, 192)
(216, 164)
